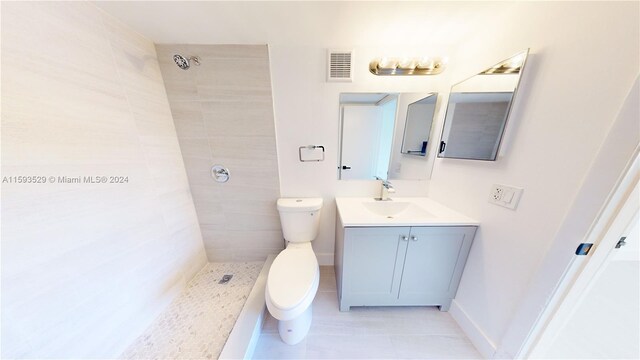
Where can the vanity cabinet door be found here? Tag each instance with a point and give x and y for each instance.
(373, 259)
(433, 265)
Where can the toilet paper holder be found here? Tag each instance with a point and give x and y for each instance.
(311, 153)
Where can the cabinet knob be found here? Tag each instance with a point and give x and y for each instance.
(414, 238)
(404, 238)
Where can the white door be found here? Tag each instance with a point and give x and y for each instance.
(361, 126)
(606, 322)
(600, 317)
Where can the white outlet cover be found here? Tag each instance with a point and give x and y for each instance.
(505, 195)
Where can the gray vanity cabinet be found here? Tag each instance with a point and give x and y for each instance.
(374, 271)
(400, 266)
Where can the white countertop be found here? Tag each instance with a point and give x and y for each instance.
(401, 211)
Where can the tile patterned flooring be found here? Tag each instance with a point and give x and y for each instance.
(369, 332)
(197, 323)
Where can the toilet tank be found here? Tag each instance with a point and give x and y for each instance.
(300, 218)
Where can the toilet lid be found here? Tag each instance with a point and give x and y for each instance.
(291, 277)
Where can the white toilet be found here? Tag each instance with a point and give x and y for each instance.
(294, 275)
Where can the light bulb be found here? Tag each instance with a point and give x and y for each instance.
(407, 64)
(387, 63)
(425, 63)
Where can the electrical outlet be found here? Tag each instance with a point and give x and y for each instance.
(505, 196)
(496, 193)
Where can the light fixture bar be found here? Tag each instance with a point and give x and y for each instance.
(406, 66)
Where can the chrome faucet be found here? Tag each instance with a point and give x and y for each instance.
(385, 190)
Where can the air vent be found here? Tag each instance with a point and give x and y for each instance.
(340, 64)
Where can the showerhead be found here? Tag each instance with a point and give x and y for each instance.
(183, 62)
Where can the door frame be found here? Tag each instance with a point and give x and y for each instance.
(621, 208)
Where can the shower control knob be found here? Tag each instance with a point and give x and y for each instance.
(414, 238)
(404, 238)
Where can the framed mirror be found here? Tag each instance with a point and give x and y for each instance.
(373, 130)
(417, 127)
(478, 111)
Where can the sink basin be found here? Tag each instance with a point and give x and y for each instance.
(395, 208)
(387, 208)
(401, 211)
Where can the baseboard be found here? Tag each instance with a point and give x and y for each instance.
(480, 340)
(244, 336)
(324, 259)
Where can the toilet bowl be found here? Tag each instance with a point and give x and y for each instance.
(294, 276)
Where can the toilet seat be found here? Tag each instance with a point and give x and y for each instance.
(293, 281)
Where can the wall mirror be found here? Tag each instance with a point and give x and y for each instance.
(478, 110)
(381, 134)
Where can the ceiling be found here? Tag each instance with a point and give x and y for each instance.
(305, 23)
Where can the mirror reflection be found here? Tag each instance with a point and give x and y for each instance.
(418, 126)
(478, 110)
(379, 131)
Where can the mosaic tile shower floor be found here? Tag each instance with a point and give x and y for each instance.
(197, 323)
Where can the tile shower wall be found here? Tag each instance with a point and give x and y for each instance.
(86, 267)
(223, 113)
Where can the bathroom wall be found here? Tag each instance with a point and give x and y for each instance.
(596, 186)
(583, 60)
(87, 266)
(563, 113)
(307, 113)
(561, 119)
(223, 112)
(305, 105)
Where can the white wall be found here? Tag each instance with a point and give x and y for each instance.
(603, 175)
(86, 267)
(560, 120)
(307, 113)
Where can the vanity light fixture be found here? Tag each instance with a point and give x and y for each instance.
(407, 66)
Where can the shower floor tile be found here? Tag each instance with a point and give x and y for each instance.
(197, 323)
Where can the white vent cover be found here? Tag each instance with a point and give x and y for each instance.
(340, 65)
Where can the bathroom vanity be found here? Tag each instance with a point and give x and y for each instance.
(403, 252)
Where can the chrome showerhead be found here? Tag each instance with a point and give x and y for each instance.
(183, 62)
